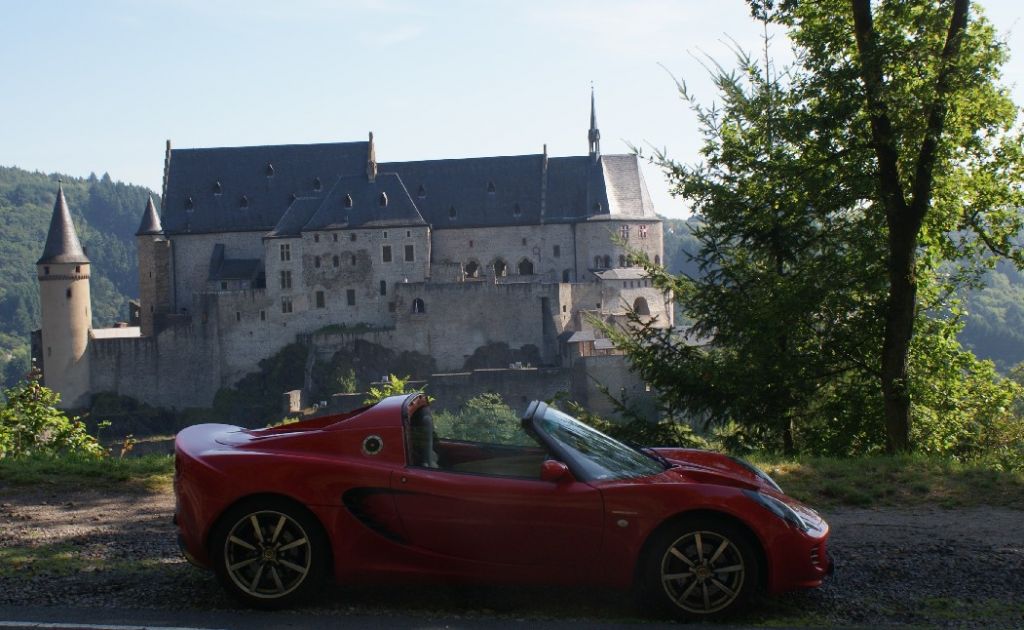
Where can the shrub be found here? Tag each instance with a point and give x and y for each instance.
(31, 424)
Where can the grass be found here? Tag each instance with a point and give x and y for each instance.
(898, 480)
(148, 472)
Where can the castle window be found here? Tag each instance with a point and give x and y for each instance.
(350, 297)
(418, 306)
(525, 267)
(471, 244)
(565, 308)
(421, 192)
(78, 268)
(352, 236)
(336, 261)
(408, 234)
(557, 251)
(316, 262)
(490, 188)
(640, 306)
(286, 305)
(316, 238)
(472, 269)
(286, 279)
(188, 204)
(352, 259)
(286, 252)
(566, 275)
(270, 169)
(597, 206)
(385, 234)
(607, 261)
(383, 199)
(383, 287)
(516, 210)
(624, 232)
(335, 235)
(243, 202)
(68, 293)
(223, 286)
(622, 260)
(524, 242)
(217, 188)
(597, 262)
(500, 268)
(317, 185)
(385, 253)
(320, 301)
(263, 316)
(451, 213)
(643, 231)
(410, 253)
(46, 271)
(49, 351)
(238, 316)
(348, 200)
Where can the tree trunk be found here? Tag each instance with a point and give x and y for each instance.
(899, 328)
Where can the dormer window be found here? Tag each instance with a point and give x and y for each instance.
(490, 188)
(347, 202)
(243, 202)
(597, 206)
(292, 197)
(421, 192)
(451, 213)
(383, 199)
(217, 188)
(189, 206)
(270, 169)
(516, 210)
(317, 185)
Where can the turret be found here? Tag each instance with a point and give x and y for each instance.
(63, 272)
(154, 270)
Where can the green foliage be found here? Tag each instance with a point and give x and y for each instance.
(393, 386)
(31, 424)
(667, 431)
(485, 418)
(794, 264)
(346, 382)
(106, 214)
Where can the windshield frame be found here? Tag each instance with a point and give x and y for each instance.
(583, 467)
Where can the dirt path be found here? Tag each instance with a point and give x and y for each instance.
(921, 566)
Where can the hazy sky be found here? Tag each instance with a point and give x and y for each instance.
(100, 85)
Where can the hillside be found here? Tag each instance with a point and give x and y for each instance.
(106, 214)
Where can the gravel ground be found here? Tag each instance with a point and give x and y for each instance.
(922, 567)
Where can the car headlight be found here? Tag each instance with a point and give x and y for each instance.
(780, 509)
(760, 473)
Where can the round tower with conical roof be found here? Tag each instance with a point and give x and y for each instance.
(63, 272)
(154, 271)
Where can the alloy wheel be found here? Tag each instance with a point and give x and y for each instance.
(267, 554)
(702, 572)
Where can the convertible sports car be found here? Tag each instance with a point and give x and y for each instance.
(548, 500)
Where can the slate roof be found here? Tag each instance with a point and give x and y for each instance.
(627, 190)
(367, 209)
(233, 189)
(150, 220)
(222, 268)
(62, 245)
(622, 273)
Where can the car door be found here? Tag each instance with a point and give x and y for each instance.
(498, 519)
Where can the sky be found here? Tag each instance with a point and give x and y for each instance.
(99, 86)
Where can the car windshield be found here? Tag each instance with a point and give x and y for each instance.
(599, 456)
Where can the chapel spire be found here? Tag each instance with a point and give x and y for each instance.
(371, 161)
(594, 135)
(62, 244)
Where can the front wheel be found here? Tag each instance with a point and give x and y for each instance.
(269, 554)
(701, 568)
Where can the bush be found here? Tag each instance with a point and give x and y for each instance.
(31, 424)
(485, 418)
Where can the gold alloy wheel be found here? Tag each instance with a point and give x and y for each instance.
(702, 572)
(267, 554)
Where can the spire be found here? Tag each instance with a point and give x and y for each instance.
(150, 220)
(371, 161)
(594, 136)
(62, 244)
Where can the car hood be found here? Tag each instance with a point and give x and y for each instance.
(700, 466)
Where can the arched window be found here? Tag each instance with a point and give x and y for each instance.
(640, 306)
(607, 261)
(335, 260)
(347, 201)
(525, 267)
(418, 306)
(472, 269)
(500, 268)
(566, 275)
(597, 262)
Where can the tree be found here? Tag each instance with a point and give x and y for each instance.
(843, 203)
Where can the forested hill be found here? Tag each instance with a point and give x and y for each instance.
(106, 213)
(993, 328)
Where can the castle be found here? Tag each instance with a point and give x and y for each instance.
(258, 247)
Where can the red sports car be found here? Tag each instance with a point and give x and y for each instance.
(377, 492)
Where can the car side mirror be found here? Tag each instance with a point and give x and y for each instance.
(554, 471)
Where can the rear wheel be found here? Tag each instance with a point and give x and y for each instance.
(269, 553)
(700, 568)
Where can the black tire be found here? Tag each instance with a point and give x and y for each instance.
(713, 580)
(280, 562)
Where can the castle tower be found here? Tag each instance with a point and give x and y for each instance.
(154, 270)
(593, 135)
(63, 272)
